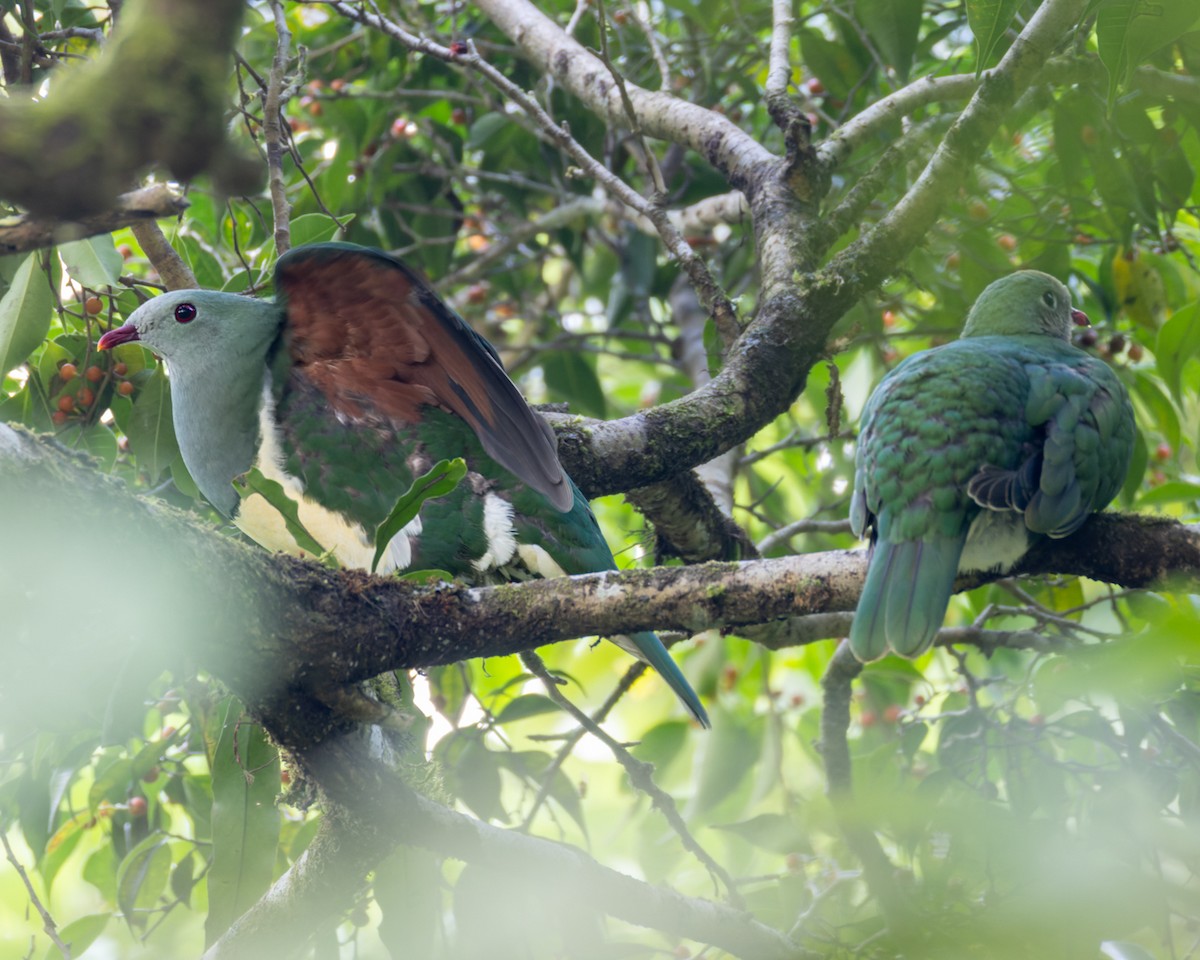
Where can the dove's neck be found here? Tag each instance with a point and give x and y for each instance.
(216, 412)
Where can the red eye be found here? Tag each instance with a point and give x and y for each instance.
(185, 313)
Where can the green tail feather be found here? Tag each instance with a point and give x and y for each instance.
(646, 646)
(904, 598)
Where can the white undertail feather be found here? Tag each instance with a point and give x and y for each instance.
(995, 541)
(539, 561)
(499, 532)
(349, 542)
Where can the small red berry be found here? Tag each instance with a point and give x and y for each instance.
(1088, 338)
(125, 388)
(978, 210)
(125, 250)
(459, 116)
(868, 719)
(93, 305)
(85, 397)
(477, 293)
(68, 371)
(93, 374)
(1116, 343)
(120, 369)
(66, 404)
(815, 87)
(889, 318)
(338, 84)
(1162, 452)
(59, 417)
(1007, 242)
(953, 260)
(150, 775)
(1136, 352)
(892, 713)
(137, 806)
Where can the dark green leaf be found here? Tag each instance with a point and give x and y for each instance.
(1128, 31)
(150, 429)
(893, 25)
(25, 311)
(527, 705)
(142, 878)
(989, 20)
(438, 481)
(1178, 344)
(572, 376)
(245, 821)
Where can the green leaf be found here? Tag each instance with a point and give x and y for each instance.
(528, 705)
(1178, 343)
(25, 311)
(440, 479)
(426, 576)
(150, 429)
(1158, 405)
(486, 127)
(1173, 491)
(245, 821)
(314, 228)
(773, 832)
(989, 20)
(407, 890)
(1128, 31)
(93, 262)
(79, 935)
(142, 877)
(252, 482)
(893, 25)
(573, 377)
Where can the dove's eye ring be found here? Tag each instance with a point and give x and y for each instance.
(185, 313)
(1048, 298)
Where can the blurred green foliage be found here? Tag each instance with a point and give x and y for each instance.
(1033, 803)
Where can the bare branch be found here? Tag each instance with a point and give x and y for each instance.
(32, 233)
(175, 274)
(274, 100)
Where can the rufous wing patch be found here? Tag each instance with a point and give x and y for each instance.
(378, 342)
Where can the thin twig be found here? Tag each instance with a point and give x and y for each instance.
(640, 775)
(273, 103)
(715, 300)
(48, 923)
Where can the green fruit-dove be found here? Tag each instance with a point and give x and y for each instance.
(970, 451)
(355, 380)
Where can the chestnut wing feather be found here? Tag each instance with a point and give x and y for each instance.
(379, 343)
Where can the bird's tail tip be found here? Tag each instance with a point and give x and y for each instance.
(646, 646)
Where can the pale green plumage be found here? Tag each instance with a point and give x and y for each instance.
(968, 450)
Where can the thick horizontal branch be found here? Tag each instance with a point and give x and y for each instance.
(148, 204)
(266, 624)
(70, 155)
